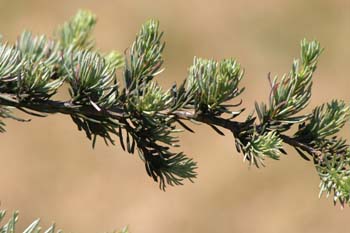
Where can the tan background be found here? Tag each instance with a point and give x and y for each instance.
(49, 170)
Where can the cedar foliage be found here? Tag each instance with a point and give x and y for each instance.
(138, 114)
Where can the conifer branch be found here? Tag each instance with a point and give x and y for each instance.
(11, 225)
(138, 114)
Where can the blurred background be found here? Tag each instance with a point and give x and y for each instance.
(49, 170)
